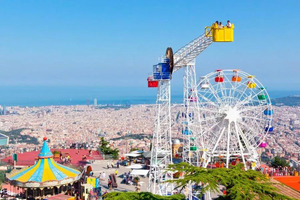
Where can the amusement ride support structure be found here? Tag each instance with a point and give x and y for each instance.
(192, 127)
(161, 151)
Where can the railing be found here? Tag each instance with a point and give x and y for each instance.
(21, 162)
(218, 34)
(162, 75)
(208, 31)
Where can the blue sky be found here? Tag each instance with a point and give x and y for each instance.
(115, 43)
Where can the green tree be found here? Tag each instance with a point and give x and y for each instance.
(115, 153)
(2, 177)
(107, 150)
(279, 162)
(239, 184)
(133, 149)
(140, 196)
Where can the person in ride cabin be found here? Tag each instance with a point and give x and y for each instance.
(228, 24)
(221, 25)
(214, 25)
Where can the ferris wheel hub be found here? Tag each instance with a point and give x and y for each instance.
(231, 114)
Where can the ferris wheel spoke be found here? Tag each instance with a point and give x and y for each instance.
(213, 126)
(213, 135)
(240, 143)
(233, 90)
(252, 108)
(208, 100)
(211, 111)
(245, 140)
(218, 140)
(215, 94)
(222, 89)
(258, 126)
(239, 88)
(214, 91)
(255, 118)
(228, 144)
(249, 98)
(250, 130)
(256, 114)
(230, 88)
(242, 94)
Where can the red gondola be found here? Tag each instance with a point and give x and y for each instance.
(219, 78)
(151, 82)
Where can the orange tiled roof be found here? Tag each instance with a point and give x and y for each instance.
(286, 190)
(291, 181)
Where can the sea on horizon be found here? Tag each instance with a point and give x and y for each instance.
(72, 95)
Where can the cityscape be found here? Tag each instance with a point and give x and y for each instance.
(83, 122)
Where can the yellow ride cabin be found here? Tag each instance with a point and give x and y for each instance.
(224, 34)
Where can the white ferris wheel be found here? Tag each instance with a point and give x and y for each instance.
(236, 115)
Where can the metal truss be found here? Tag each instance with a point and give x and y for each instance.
(161, 152)
(191, 124)
(189, 52)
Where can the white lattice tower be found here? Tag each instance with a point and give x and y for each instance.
(161, 152)
(191, 123)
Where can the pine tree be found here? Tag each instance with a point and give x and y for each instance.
(106, 150)
(279, 162)
(239, 184)
(140, 196)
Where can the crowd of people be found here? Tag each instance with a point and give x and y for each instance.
(112, 164)
(220, 25)
(66, 159)
(127, 178)
(280, 171)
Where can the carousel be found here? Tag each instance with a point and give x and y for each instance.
(46, 177)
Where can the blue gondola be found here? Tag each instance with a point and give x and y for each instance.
(162, 70)
(269, 128)
(191, 114)
(186, 132)
(268, 112)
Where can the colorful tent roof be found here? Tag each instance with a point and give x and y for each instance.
(45, 171)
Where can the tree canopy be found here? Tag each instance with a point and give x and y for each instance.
(239, 184)
(133, 149)
(140, 196)
(279, 162)
(107, 150)
(2, 177)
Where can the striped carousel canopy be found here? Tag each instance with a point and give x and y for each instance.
(45, 170)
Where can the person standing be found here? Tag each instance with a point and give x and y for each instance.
(109, 184)
(103, 176)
